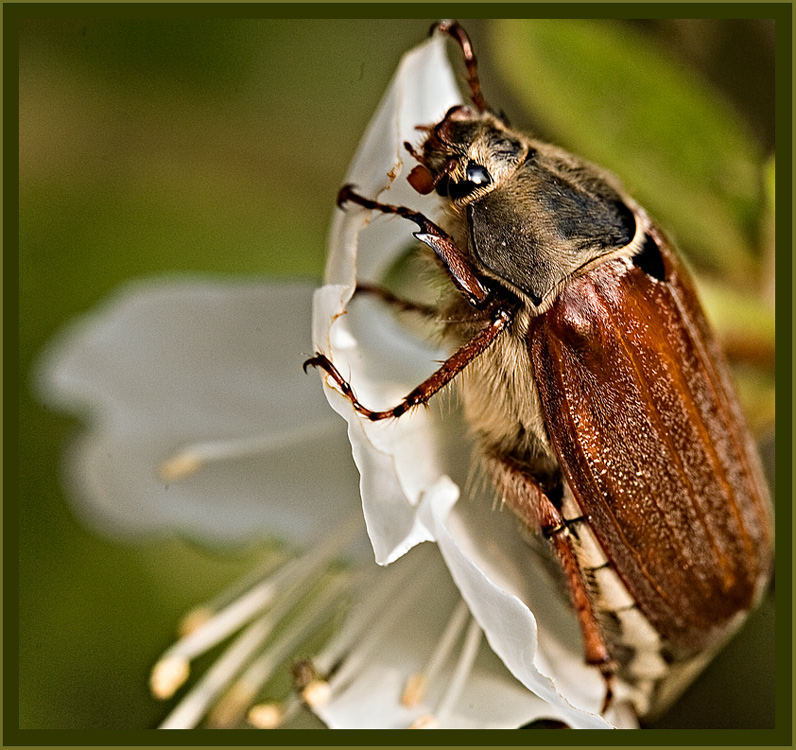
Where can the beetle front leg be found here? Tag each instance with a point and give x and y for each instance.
(459, 267)
(450, 368)
(532, 505)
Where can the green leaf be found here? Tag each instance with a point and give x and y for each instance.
(610, 95)
(735, 312)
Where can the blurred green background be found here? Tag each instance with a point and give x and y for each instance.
(151, 146)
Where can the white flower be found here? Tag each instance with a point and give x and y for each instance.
(205, 425)
(405, 465)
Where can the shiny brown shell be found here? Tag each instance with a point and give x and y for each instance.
(637, 401)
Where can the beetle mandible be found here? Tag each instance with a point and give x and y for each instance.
(602, 408)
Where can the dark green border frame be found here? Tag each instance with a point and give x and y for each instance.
(782, 12)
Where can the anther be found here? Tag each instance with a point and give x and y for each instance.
(168, 676)
(265, 716)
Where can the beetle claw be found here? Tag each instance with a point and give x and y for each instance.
(344, 196)
(608, 679)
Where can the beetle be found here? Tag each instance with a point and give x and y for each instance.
(602, 408)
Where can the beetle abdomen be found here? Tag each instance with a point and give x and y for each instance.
(649, 437)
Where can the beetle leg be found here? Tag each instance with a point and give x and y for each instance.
(455, 30)
(428, 311)
(461, 270)
(595, 649)
(529, 501)
(450, 368)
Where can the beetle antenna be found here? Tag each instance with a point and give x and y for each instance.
(412, 152)
(454, 30)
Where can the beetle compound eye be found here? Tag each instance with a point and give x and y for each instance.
(477, 174)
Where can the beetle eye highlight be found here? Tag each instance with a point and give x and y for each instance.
(477, 174)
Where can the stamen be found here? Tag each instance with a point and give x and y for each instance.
(194, 620)
(232, 707)
(193, 707)
(181, 465)
(273, 715)
(385, 605)
(203, 613)
(417, 683)
(190, 458)
(290, 578)
(168, 674)
(415, 689)
(464, 666)
(427, 721)
(317, 693)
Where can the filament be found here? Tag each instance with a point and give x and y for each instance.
(229, 710)
(349, 649)
(417, 683)
(203, 613)
(464, 667)
(172, 669)
(192, 457)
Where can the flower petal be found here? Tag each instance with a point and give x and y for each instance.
(407, 465)
(168, 364)
(491, 697)
(525, 621)
(396, 459)
(421, 91)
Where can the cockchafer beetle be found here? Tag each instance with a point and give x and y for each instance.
(603, 410)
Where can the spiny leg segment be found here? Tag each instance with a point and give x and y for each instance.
(466, 280)
(454, 30)
(431, 385)
(460, 269)
(531, 503)
(385, 295)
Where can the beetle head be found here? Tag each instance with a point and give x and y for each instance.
(466, 155)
